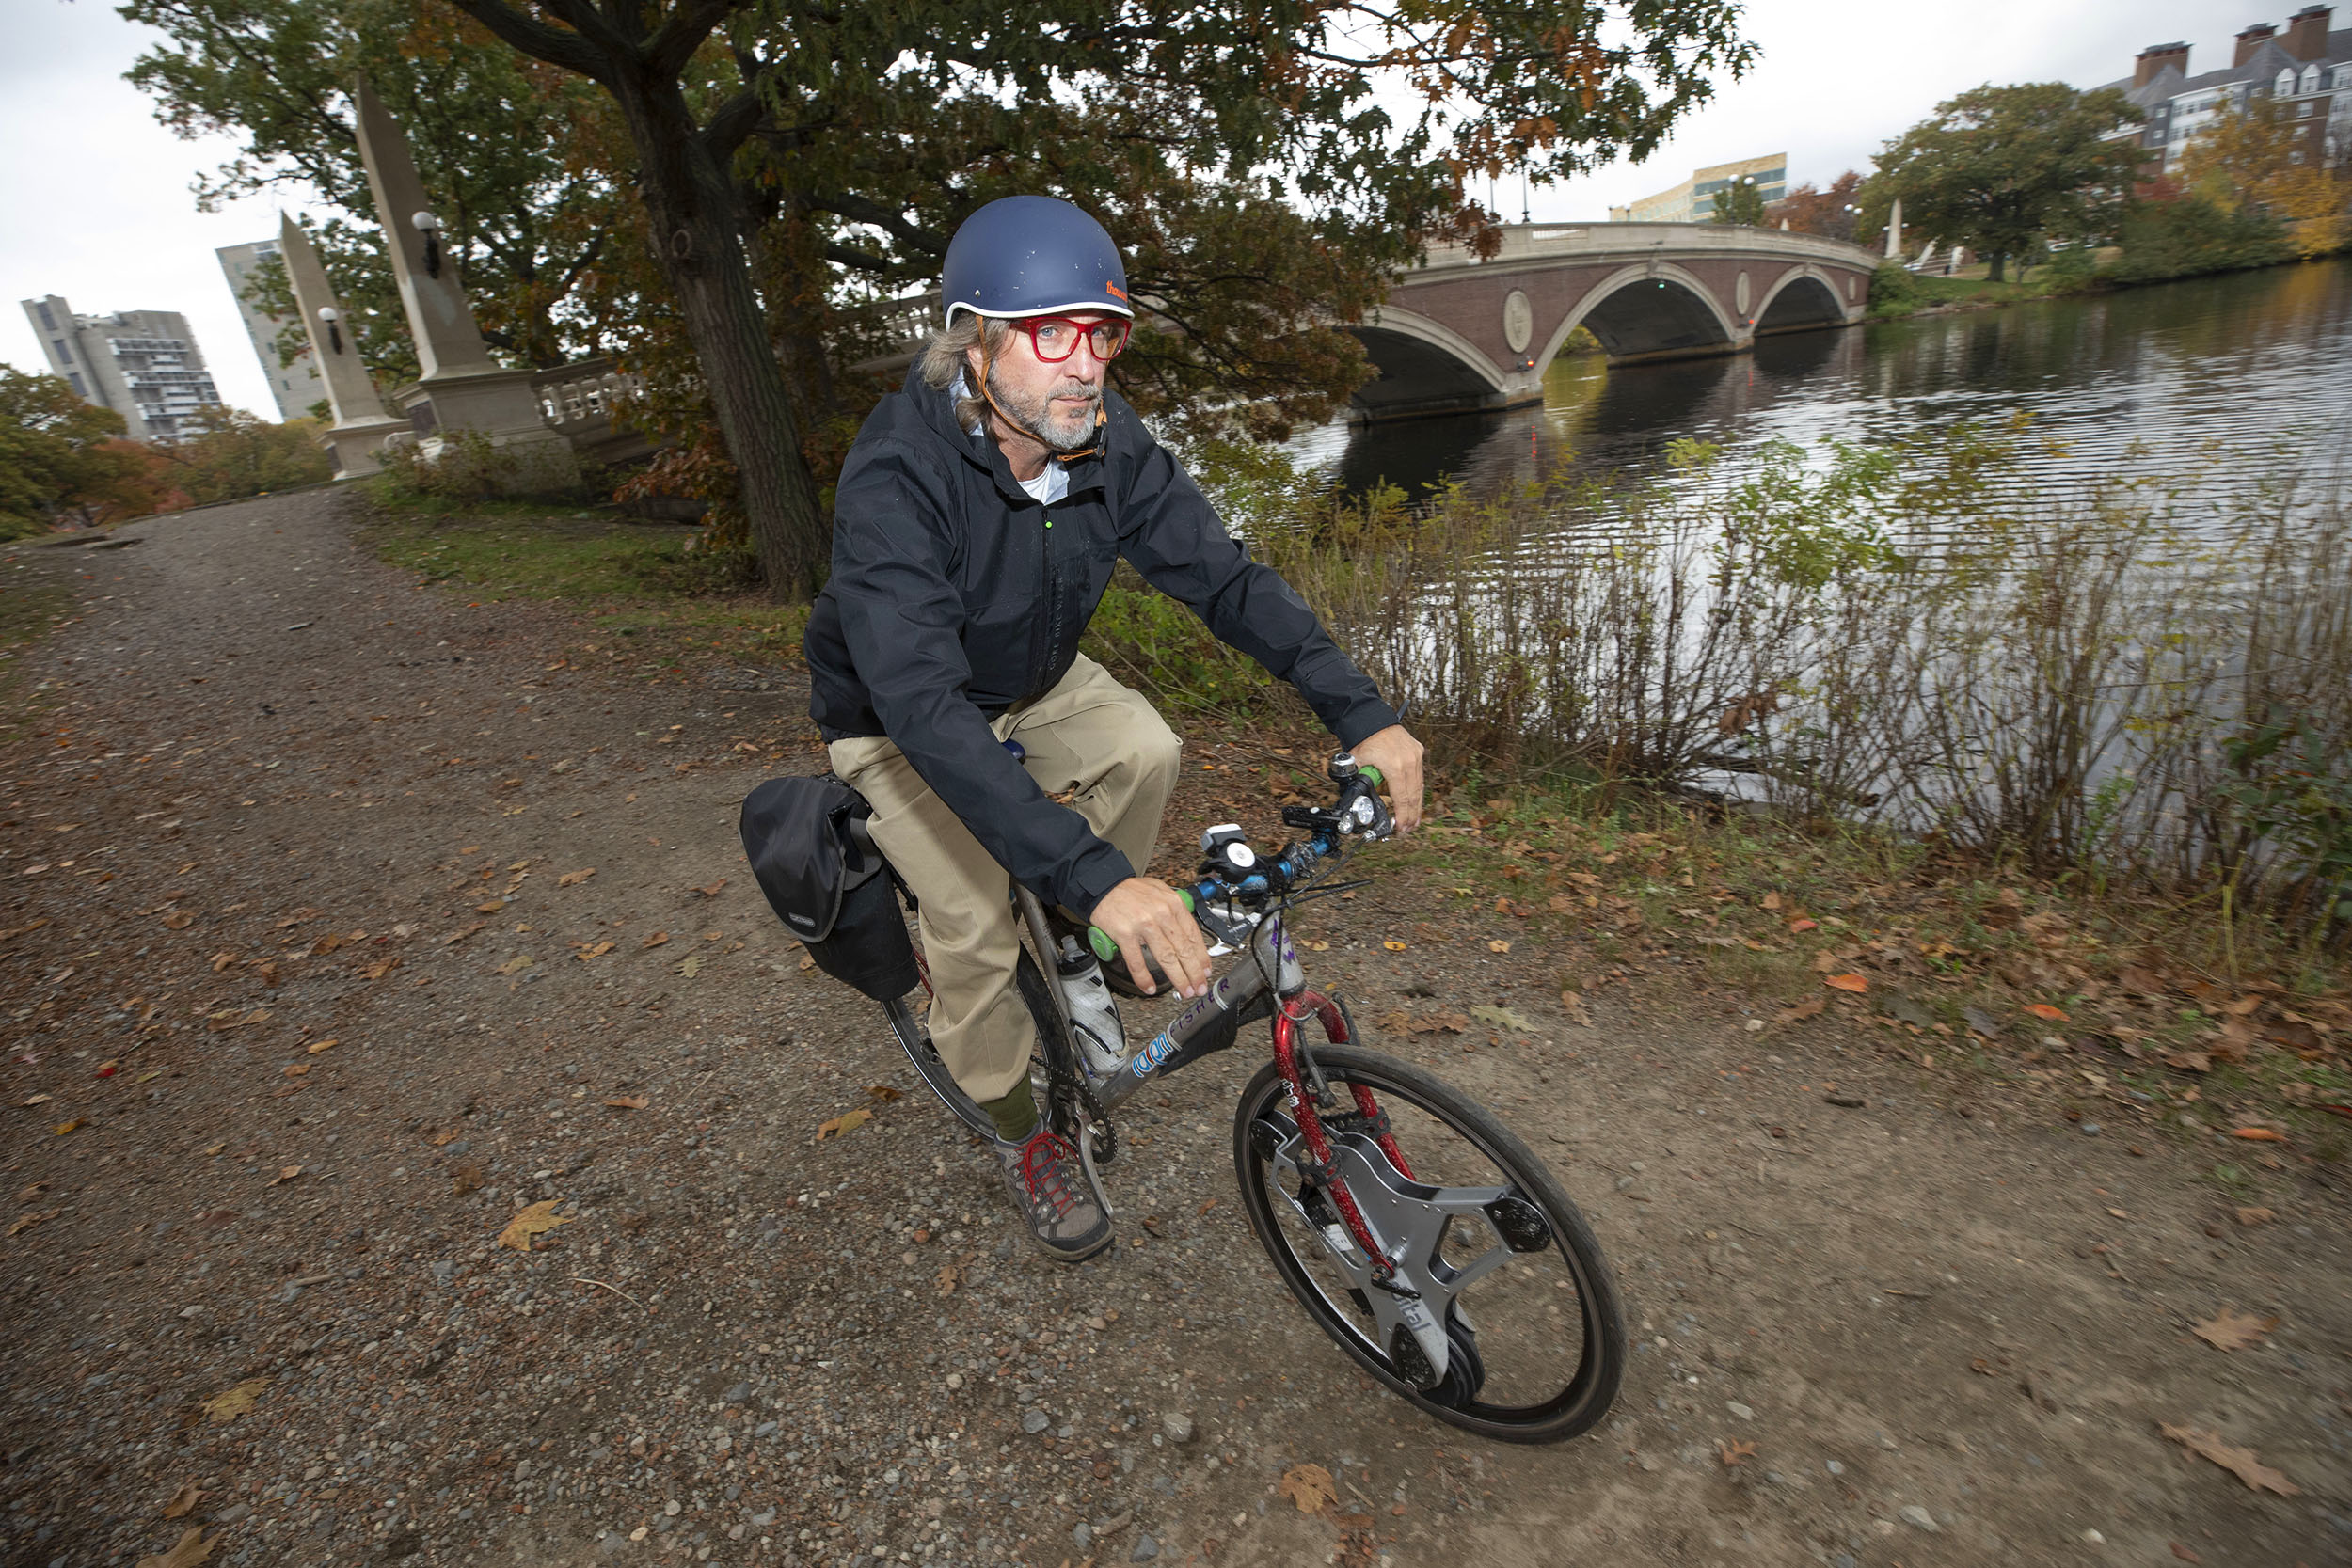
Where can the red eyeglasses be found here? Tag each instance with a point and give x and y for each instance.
(1054, 339)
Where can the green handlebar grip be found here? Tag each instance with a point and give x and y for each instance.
(1100, 939)
(1369, 771)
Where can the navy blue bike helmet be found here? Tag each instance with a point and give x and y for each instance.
(1032, 256)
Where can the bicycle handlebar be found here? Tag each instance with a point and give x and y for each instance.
(1332, 827)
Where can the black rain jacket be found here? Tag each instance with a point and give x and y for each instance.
(954, 597)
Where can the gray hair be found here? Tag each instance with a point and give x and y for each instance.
(944, 360)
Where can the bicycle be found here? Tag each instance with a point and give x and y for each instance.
(1378, 1246)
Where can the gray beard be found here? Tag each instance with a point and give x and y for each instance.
(1033, 418)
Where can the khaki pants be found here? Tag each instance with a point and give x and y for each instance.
(1089, 735)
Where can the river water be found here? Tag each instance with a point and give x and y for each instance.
(2233, 378)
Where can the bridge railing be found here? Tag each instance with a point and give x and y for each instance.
(1530, 242)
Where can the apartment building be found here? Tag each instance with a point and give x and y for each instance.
(296, 386)
(2306, 67)
(1694, 201)
(142, 364)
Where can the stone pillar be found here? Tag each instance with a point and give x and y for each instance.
(461, 391)
(1895, 231)
(360, 422)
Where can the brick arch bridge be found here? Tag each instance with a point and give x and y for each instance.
(1461, 334)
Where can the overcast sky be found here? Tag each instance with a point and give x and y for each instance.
(96, 203)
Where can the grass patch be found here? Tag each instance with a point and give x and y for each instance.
(646, 581)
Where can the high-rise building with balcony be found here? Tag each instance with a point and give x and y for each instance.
(296, 386)
(142, 364)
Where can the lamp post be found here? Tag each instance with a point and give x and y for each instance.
(430, 227)
(332, 317)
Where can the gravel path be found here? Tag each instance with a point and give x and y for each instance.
(342, 921)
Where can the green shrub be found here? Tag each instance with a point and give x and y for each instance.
(2189, 236)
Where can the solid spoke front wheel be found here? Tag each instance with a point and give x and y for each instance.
(1500, 1316)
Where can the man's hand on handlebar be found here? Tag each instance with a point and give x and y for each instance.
(1145, 912)
(1398, 757)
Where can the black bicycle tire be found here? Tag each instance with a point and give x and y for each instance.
(1602, 1312)
(1031, 982)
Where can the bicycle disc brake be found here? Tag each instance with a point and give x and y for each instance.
(1420, 1327)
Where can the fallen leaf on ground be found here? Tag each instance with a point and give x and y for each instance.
(179, 919)
(230, 1403)
(2043, 1009)
(1772, 900)
(467, 1177)
(1206, 1205)
(573, 878)
(948, 1277)
(2259, 1134)
(710, 890)
(27, 1222)
(296, 1070)
(1735, 1452)
(1393, 947)
(628, 1102)
(1574, 1005)
(886, 1092)
(317, 1046)
(2230, 1329)
(189, 1551)
(596, 951)
(1311, 1487)
(1497, 945)
(64, 1126)
(37, 1100)
(449, 1137)
(655, 940)
(489, 906)
(847, 1121)
(2250, 1214)
(2189, 1061)
(1811, 1006)
(183, 1502)
(1848, 982)
(691, 966)
(2240, 1462)
(515, 965)
(1505, 1018)
(382, 967)
(535, 1220)
(285, 1174)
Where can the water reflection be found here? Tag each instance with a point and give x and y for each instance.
(2233, 376)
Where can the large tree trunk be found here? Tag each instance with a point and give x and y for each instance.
(696, 230)
(1999, 259)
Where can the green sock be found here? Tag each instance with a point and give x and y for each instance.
(1015, 1115)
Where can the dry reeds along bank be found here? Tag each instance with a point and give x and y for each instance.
(2150, 684)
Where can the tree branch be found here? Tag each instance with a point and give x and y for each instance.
(569, 50)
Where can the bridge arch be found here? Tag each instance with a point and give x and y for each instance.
(1655, 309)
(1423, 364)
(1804, 297)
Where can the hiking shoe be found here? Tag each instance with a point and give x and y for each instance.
(1049, 1187)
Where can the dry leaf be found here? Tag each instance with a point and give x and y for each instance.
(847, 1121)
(1393, 947)
(489, 906)
(628, 1102)
(1497, 945)
(317, 1046)
(296, 1070)
(1503, 1018)
(179, 921)
(1810, 1008)
(183, 1502)
(27, 1222)
(189, 1551)
(2043, 1009)
(948, 1277)
(467, 1176)
(1772, 900)
(515, 965)
(2230, 1329)
(692, 965)
(2251, 1215)
(1205, 1207)
(285, 1174)
(573, 878)
(449, 1137)
(2240, 1462)
(1574, 1005)
(1848, 982)
(534, 1221)
(655, 940)
(37, 1100)
(2259, 1134)
(1735, 1452)
(1311, 1487)
(231, 1403)
(1802, 925)
(597, 951)
(382, 967)
(885, 1092)
(64, 1126)
(711, 890)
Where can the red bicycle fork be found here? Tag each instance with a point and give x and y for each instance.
(1287, 1018)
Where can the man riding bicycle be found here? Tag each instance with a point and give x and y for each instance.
(980, 514)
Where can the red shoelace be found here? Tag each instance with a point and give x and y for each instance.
(1042, 1172)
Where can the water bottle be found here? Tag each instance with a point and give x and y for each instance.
(1093, 1011)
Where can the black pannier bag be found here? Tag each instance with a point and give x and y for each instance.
(829, 884)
